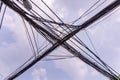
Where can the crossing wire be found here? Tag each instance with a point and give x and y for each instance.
(87, 47)
(77, 37)
(54, 13)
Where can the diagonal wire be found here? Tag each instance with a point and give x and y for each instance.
(87, 12)
(29, 38)
(76, 36)
(3, 16)
(1, 4)
(95, 49)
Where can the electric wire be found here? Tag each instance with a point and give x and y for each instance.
(49, 17)
(87, 12)
(29, 38)
(98, 23)
(34, 39)
(3, 16)
(113, 12)
(88, 55)
(95, 55)
(62, 21)
(53, 12)
(1, 4)
(59, 58)
(96, 50)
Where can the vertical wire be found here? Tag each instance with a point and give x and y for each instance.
(34, 39)
(29, 38)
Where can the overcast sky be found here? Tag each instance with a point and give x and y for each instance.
(14, 47)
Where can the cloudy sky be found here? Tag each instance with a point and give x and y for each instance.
(15, 50)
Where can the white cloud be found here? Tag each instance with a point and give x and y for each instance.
(39, 74)
(75, 68)
(15, 53)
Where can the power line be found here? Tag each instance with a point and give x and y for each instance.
(62, 41)
(29, 38)
(3, 16)
(1, 4)
(54, 14)
(87, 12)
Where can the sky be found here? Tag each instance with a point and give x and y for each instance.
(15, 50)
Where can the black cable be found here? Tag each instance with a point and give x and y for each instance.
(3, 16)
(52, 11)
(88, 11)
(113, 12)
(50, 17)
(58, 17)
(1, 4)
(93, 54)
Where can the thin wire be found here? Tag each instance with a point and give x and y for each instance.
(34, 38)
(3, 16)
(29, 38)
(94, 46)
(91, 42)
(50, 17)
(113, 12)
(41, 49)
(59, 58)
(62, 22)
(1, 5)
(86, 11)
(51, 11)
(94, 8)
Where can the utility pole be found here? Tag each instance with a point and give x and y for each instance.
(57, 42)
